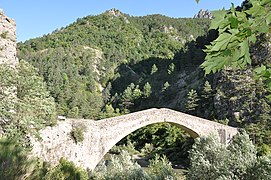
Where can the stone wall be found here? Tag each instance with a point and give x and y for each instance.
(7, 40)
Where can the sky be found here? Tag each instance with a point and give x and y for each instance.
(35, 18)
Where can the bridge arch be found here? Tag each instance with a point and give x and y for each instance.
(100, 136)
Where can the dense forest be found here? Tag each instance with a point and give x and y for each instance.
(113, 63)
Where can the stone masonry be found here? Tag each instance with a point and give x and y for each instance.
(100, 136)
(7, 40)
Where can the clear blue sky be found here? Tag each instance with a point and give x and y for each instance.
(35, 18)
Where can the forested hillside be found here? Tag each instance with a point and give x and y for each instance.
(98, 56)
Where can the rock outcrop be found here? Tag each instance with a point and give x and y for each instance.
(7, 40)
(204, 14)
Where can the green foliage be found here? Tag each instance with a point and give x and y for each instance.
(130, 95)
(27, 105)
(7, 100)
(123, 167)
(78, 61)
(4, 34)
(207, 100)
(165, 86)
(171, 68)
(238, 29)
(207, 159)
(154, 69)
(262, 169)
(119, 167)
(163, 139)
(264, 73)
(109, 109)
(147, 90)
(191, 102)
(207, 90)
(35, 106)
(160, 168)
(213, 160)
(14, 162)
(65, 170)
(77, 132)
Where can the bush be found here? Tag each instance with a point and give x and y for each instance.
(34, 106)
(261, 170)
(14, 164)
(123, 167)
(4, 34)
(212, 160)
(160, 168)
(119, 167)
(78, 133)
(65, 170)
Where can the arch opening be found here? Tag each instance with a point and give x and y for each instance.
(164, 138)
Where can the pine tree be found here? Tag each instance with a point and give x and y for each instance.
(171, 68)
(191, 101)
(136, 93)
(147, 90)
(206, 100)
(106, 92)
(154, 69)
(207, 91)
(165, 87)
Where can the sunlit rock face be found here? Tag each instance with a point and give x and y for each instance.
(7, 40)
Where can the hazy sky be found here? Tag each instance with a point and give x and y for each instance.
(35, 18)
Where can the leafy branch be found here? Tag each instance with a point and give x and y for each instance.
(237, 31)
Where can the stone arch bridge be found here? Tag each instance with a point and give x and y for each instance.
(100, 136)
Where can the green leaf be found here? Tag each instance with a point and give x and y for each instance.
(263, 28)
(255, 9)
(219, 18)
(221, 42)
(265, 2)
(268, 18)
(260, 69)
(234, 22)
(197, 1)
(252, 38)
(244, 47)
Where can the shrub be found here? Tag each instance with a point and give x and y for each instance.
(78, 133)
(261, 170)
(14, 164)
(160, 168)
(65, 170)
(213, 160)
(123, 167)
(119, 167)
(4, 35)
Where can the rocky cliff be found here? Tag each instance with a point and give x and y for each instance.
(7, 40)
(204, 14)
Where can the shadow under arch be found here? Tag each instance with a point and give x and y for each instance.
(120, 127)
(186, 131)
